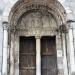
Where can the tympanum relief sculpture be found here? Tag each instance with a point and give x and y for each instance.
(37, 23)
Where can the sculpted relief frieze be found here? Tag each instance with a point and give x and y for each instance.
(37, 23)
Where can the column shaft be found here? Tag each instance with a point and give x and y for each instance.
(71, 51)
(38, 57)
(65, 68)
(12, 55)
(5, 51)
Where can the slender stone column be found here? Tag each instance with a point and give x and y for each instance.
(12, 55)
(65, 68)
(72, 59)
(5, 48)
(38, 56)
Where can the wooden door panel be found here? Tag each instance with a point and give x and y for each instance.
(27, 65)
(48, 62)
(48, 72)
(27, 45)
(27, 61)
(48, 57)
(27, 72)
(48, 46)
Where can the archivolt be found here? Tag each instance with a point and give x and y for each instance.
(23, 6)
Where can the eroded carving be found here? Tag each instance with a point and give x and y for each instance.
(37, 23)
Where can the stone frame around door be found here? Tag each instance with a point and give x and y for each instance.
(22, 7)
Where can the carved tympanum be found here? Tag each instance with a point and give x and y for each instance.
(37, 21)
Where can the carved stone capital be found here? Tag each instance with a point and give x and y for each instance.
(38, 37)
(63, 29)
(5, 25)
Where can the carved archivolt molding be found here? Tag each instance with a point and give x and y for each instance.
(51, 8)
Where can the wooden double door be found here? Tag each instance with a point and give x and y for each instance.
(27, 59)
